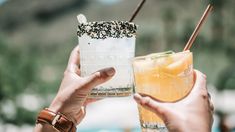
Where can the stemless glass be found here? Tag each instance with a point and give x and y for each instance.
(166, 77)
(108, 44)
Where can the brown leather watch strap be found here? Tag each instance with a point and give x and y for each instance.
(57, 120)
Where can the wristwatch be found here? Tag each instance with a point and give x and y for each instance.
(59, 121)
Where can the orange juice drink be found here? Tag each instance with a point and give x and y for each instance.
(166, 77)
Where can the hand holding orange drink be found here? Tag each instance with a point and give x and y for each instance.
(166, 77)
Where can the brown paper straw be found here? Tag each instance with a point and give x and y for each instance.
(137, 10)
(196, 31)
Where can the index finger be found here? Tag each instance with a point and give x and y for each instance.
(74, 58)
(199, 88)
(200, 81)
(74, 61)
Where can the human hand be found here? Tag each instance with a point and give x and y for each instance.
(71, 98)
(193, 113)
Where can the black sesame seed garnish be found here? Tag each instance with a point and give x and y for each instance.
(104, 29)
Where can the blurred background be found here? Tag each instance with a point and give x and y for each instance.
(36, 37)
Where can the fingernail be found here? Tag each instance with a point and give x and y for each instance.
(110, 71)
(137, 98)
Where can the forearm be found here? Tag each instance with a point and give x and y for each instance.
(44, 128)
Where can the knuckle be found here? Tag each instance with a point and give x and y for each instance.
(78, 51)
(97, 77)
(204, 95)
(65, 72)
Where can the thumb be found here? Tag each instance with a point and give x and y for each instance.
(157, 107)
(98, 77)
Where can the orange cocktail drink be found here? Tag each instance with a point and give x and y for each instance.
(166, 77)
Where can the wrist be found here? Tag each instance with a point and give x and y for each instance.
(57, 108)
(56, 105)
(74, 114)
(57, 121)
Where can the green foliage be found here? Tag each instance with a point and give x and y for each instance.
(23, 116)
(20, 73)
(17, 72)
